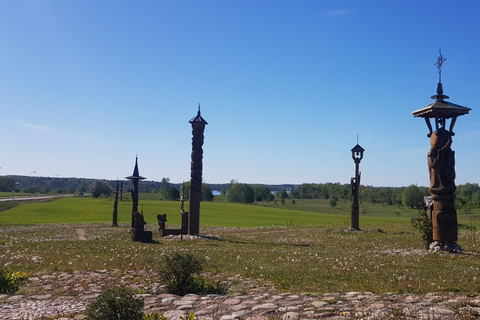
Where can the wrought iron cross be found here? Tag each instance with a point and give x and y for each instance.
(439, 64)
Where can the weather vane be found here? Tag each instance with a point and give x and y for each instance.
(439, 64)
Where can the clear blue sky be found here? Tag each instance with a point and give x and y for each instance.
(285, 86)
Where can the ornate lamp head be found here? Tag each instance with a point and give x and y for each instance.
(440, 110)
(357, 153)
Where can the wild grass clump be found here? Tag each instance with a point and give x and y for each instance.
(10, 281)
(115, 304)
(181, 273)
(154, 316)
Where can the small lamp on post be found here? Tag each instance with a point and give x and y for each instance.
(357, 156)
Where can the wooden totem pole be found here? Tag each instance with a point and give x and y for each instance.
(441, 165)
(115, 207)
(198, 127)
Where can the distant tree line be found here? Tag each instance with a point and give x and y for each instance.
(244, 193)
(45, 185)
(97, 187)
(467, 195)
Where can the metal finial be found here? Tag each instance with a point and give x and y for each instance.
(357, 138)
(198, 108)
(439, 64)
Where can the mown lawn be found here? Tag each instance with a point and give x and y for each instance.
(316, 253)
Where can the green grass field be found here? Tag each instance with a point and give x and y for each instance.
(90, 210)
(315, 253)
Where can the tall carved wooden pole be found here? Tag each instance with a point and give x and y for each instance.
(441, 166)
(115, 208)
(357, 155)
(198, 127)
(135, 177)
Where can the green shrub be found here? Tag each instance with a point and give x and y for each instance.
(10, 281)
(181, 273)
(115, 304)
(424, 225)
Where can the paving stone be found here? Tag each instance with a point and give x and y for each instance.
(185, 307)
(257, 303)
(257, 317)
(232, 301)
(239, 314)
(182, 302)
(291, 316)
(320, 304)
(238, 307)
(265, 306)
(174, 314)
(441, 310)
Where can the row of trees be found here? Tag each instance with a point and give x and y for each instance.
(167, 190)
(384, 195)
(171, 191)
(44, 185)
(244, 193)
(7, 184)
(468, 195)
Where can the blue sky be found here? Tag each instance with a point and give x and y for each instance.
(285, 86)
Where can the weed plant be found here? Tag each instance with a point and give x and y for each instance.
(154, 316)
(10, 281)
(115, 304)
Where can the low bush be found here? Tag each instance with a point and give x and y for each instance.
(115, 304)
(10, 281)
(181, 273)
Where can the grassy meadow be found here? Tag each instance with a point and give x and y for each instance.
(301, 247)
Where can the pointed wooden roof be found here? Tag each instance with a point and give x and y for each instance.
(198, 119)
(136, 175)
(357, 148)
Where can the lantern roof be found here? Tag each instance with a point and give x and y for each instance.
(441, 108)
(198, 119)
(358, 148)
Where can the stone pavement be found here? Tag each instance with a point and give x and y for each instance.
(65, 296)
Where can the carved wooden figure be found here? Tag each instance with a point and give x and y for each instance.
(441, 164)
